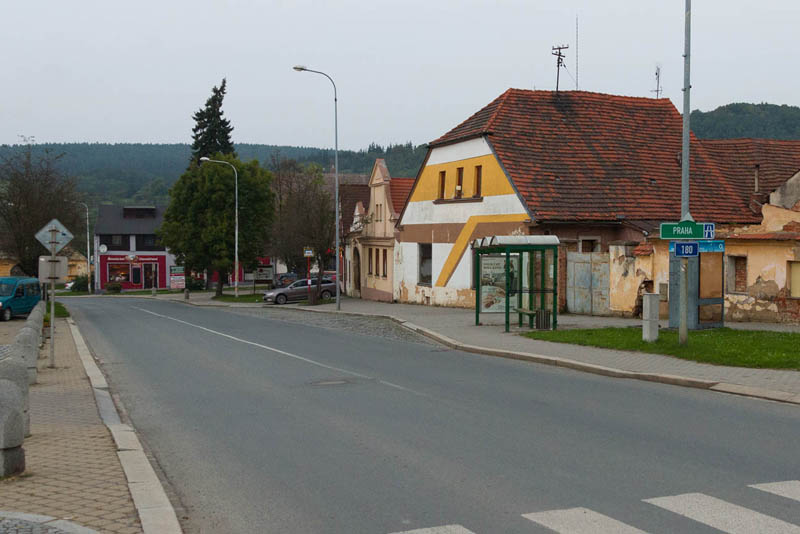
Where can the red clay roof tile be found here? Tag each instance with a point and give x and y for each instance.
(584, 156)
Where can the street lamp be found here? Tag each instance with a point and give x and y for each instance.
(236, 224)
(301, 68)
(88, 265)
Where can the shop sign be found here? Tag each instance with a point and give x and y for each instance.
(177, 279)
(493, 281)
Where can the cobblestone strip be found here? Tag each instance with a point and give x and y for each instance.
(16, 523)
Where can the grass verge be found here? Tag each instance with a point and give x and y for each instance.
(721, 346)
(61, 312)
(249, 298)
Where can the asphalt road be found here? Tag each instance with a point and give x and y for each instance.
(273, 426)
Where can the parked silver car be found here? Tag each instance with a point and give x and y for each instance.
(299, 291)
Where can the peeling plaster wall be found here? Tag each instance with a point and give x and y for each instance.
(624, 281)
(788, 194)
(767, 297)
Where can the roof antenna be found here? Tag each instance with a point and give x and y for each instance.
(576, 52)
(560, 62)
(658, 88)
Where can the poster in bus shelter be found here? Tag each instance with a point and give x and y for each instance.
(493, 281)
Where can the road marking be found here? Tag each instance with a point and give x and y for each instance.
(789, 489)
(723, 515)
(282, 352)
(446, 529)
(580, 521)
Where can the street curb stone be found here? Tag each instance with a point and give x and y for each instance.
(156, 513)
(675, 380)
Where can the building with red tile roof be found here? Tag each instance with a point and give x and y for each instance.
(593, 169)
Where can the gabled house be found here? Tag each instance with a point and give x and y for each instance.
(598, 171)
(371, 241)
(127, 249)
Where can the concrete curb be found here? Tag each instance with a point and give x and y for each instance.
(152, 504)
(47, 521)
(675, 380)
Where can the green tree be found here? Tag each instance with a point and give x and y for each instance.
(199, 222)
(212, 132)
(32, 192)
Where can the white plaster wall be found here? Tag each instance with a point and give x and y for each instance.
(406, 259)
(426, 212)
(472, 148)
(462, 276)
(440, 251)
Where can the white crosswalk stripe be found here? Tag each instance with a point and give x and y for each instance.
(446, 529)
(789, 489)
(580, 521)
(723, 515)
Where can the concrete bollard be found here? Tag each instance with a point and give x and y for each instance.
(650, 316)
(12, 432)
(26, 349)
(186, 294)
(13, 374)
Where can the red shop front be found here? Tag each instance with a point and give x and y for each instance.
(134, 271)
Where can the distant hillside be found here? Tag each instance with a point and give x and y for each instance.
(143, 173)
(748, 120)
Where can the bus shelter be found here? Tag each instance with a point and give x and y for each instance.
(517, 275)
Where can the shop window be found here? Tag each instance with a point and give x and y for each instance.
(369, 261)
(119, 273)
(476, 192)
(737, 274)
(794, 279)
(442, 179)
(425, 263)
(384, 263)
(459, 181)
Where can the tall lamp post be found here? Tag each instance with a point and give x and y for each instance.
(88, 264)
(300, 68)
(236, 223)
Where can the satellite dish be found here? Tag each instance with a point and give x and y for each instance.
(103, 249)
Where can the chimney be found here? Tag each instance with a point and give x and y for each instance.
(755, 190)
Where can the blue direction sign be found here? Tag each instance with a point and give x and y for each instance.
(686, 249)
(717, 245)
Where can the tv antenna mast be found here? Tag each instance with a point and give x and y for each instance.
(560, 61)
(658, 90)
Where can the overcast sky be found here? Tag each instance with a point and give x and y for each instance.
(107, 71)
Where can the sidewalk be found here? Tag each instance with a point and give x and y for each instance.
(73, 474)
(456, 327)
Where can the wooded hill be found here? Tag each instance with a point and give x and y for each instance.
(132, 173)
(143, 173)
(747, 120)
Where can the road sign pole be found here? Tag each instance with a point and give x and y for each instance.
(53, 243)
(683, 331)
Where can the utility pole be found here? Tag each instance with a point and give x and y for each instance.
(560, 61)
(576, 52)
(683, 330)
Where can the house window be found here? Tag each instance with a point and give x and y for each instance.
(737, 274)
(384, 263)
(369, 255)
(459, 181)
(442, 179)
(425, 263)
(377, 213)
(794, 279)
(589, 244)
(116, 240)
(478, 176)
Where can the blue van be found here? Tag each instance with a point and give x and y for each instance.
(18, 296)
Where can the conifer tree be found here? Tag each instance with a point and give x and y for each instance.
(212, 132)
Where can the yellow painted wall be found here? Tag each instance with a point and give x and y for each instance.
(6, 266)
(493, 179)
